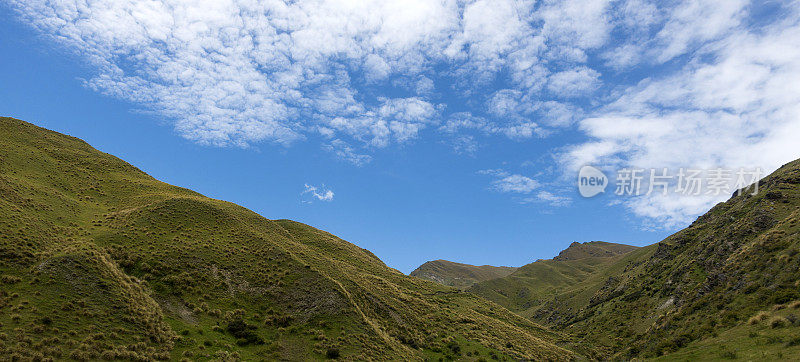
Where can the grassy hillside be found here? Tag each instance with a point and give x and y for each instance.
(100, 260)
(459, 275)
(593, 249)
(705, 281)
(530, 290)
(725, 287)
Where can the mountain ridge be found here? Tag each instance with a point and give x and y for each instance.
(521, 290)
(593, 249)
(459, 275)
(464, 276)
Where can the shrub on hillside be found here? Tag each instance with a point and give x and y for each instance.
(758, 318)
(9, 279)
(332, 353)
(777, 322)
(784, 296)
(244, 332)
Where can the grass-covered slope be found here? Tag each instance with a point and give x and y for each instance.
(531, 289)
(741, 257)
(459, 275)
(593, 249)
(100, 260)
(721, 288)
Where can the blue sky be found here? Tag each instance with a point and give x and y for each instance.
(419, 130)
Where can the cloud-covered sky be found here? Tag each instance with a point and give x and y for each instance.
(642, 83)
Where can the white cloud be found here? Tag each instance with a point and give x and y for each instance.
(343, 151)
(511, 183)
(398, 119)
(557, 114)
(736, 103)
(515, 183)
(424, 86)
(549, 198)
(492, 28)
(523, 188)
(623, 56)
(516, 128)
(465, 145)
(464, 120)
(321, 193)
(520, 130)
(693, 22)
(376, 68)
(408, 110)
(581, 24)
(504, 102)
(240, 72)
(574, 82)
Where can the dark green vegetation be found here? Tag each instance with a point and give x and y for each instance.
(459, 275)
(100, 261)
(725, 287)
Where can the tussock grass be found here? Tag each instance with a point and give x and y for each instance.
(777, 322)
(758, 318)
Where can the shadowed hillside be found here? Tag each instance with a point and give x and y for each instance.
(459, 275)
(99, 260)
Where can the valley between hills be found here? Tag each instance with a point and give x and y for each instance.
(100, 261)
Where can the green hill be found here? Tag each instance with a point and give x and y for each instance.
(459, 275)
(528, 290)
(593, 249)
(98, 260)
(701, 286)
(725, 287)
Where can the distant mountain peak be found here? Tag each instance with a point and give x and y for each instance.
(593, 249)
(459, 275)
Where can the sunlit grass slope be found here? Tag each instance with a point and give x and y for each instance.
(530, 290)
(459, 275)
(100, 260)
